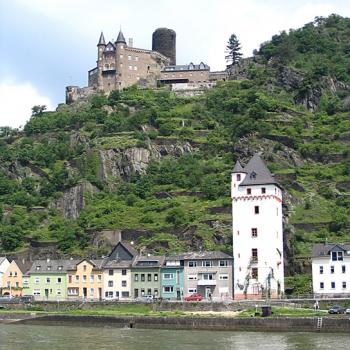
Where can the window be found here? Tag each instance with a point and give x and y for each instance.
(238, 177)
(84, 278)
(60, 268)
(135, 67)
(333, 285)
(337, 256)
(344, 285)
(332, 269)
(48, 280)
(263, 190)
(207, 263)
(84, 267)
(136, 277)
(15, 273)
(124, 272)
(129, 58)
(142, 277)
(121, 56)
(191, 277)
(130, 67)
(8, 284)
(149, 277)
(17, 284)
(223, 276)
(256, 209)
(321, 270)
(73, 291)
(59, 280)
(91, 292)
(49, 267)
(142, 291)
(192, 290)
(136, 58)
(168, 276)
(123, 283)
(255, 272)
(321, 285)
(168, 289)
(254, 232)
(208, 276)
(155, 277)
(38, 268)
(249, 191)
(36, 292)
(343, 268)
(99, 277)
(192, 264)
(155, 292)
(110, 272)
(255, 254)
(223, 263)
(149, 291)
(76, 278)
(92, 277)
(10, 274)
(110, 283)
(58, 292)
(125, 294)
(37, 280)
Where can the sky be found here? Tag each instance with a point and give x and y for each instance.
(46, 45)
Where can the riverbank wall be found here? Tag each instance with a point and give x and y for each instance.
(274, 324)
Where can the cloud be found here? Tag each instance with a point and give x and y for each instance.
(17, 99)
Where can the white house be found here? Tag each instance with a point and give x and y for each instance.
(4, 264)
(331, 269)
(257, 231)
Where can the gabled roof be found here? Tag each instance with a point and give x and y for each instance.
(52, 266)
(238, 168)
(122, 251)
(109, 47)
(2, 259)
(257, 173)
(102, 40)
(24, 266)
(325, 249)
(149, 261)
(120, 38)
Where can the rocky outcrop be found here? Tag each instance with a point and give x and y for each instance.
(120, 164)
(73, 200)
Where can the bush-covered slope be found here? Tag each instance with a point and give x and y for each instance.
(157, 167)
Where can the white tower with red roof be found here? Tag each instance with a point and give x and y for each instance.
(257, 225)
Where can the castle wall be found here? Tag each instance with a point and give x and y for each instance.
(185, 76)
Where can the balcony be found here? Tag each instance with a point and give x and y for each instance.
(203, 282)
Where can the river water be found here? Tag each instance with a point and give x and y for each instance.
(18, 337)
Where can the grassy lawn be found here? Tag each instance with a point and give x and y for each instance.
(283, 311)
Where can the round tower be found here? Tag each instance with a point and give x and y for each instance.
(164, 42)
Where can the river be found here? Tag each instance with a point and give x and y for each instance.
(28, 337)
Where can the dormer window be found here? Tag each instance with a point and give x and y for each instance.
(238, 177)
(60, 268)
(253, 175)
(337, 256)
(49, 268)
(38, 268)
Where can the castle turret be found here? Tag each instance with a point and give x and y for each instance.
(100, 49)
(120, 38)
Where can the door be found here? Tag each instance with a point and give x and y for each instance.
(207, 292)
(85, 292)
(178, 294)
(100, 294)
(46, 293)
(136, 293)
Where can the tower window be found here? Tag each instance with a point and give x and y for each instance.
(255, 272)
(263, 190)
(332, 269)
(254, 232)
(238, 177)
(256, 209)
(321, 270)
(249, 191)
(255, 254)
(343, 269)
(321, 285)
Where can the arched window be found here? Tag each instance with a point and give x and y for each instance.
(106, 66)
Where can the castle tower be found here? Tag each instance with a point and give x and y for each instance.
(100, 50)
(257, 231)
(120, 45)
(164, 42)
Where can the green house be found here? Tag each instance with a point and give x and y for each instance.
(145, 276)
(172, 278)
(48, 279)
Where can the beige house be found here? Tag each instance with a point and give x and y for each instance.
(191, 73)
(12, 279)
(85, 281)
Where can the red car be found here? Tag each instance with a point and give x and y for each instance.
(194, 297)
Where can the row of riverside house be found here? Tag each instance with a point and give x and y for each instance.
(123, 275)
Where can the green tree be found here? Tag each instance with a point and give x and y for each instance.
(233, 54)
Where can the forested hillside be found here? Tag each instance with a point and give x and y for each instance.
(157, 167)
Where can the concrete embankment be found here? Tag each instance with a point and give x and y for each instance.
(273, 324)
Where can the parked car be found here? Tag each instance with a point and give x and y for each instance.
(145, 299)
(336, 309)
(26, 299)
(8, 299)
(194, 297)
(347, 311)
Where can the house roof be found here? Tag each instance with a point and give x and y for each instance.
(149, 261)
(2, 259)
(238, 168)
(325, 249)
(111, 264)
(186, 67)
(102, 40)
(201, 256)
(257, 173)
(24, 266)
(52, 266)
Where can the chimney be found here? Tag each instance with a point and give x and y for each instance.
(131, 42)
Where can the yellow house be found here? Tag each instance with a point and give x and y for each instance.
(12, 281)
(86, 280)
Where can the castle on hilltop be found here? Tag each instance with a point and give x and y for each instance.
(119, 65)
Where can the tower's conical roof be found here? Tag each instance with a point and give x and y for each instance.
(101, 40)
(257, 173)
(120, 38)
(238, 168)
